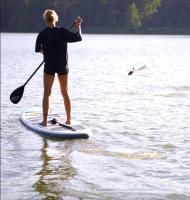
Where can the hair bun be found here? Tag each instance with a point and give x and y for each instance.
(50, 16)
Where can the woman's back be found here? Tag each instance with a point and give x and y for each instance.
(54, 44)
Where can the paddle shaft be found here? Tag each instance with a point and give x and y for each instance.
(72, 25)
(43, 61)
(34, 72)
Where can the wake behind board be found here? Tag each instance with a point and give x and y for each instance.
(32, 116)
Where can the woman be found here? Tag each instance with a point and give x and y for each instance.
(52, 42)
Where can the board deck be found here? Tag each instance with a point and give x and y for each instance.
(32, 116)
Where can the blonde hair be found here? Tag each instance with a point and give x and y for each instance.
(50, 16)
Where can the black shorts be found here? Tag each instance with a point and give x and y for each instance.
(60, 70)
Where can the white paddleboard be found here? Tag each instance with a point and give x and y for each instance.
(31, 118)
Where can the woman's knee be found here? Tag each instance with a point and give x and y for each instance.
(64, 92)
(47, 93)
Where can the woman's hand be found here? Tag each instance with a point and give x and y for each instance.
(78, 20)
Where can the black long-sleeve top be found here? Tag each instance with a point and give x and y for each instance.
(53, 43)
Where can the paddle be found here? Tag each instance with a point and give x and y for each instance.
(54, 121)
(17, 94)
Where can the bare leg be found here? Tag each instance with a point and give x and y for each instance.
(63, 82)
(48, 82)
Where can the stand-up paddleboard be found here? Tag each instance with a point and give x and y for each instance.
(55, 128)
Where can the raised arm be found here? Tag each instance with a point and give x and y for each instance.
(69, 36)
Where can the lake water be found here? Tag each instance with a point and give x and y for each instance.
(140, 123)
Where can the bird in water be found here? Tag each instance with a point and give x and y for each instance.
(133, 70)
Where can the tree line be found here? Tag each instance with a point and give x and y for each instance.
(100, 16)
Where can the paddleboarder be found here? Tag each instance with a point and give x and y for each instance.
(52, 43)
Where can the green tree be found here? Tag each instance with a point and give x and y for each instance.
(151, 7)
(136, 18)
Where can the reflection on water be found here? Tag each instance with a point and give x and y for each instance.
(56, 169)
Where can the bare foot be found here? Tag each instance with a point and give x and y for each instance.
(43, 123)
(68, 122)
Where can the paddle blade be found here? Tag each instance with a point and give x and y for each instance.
(16, 95)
